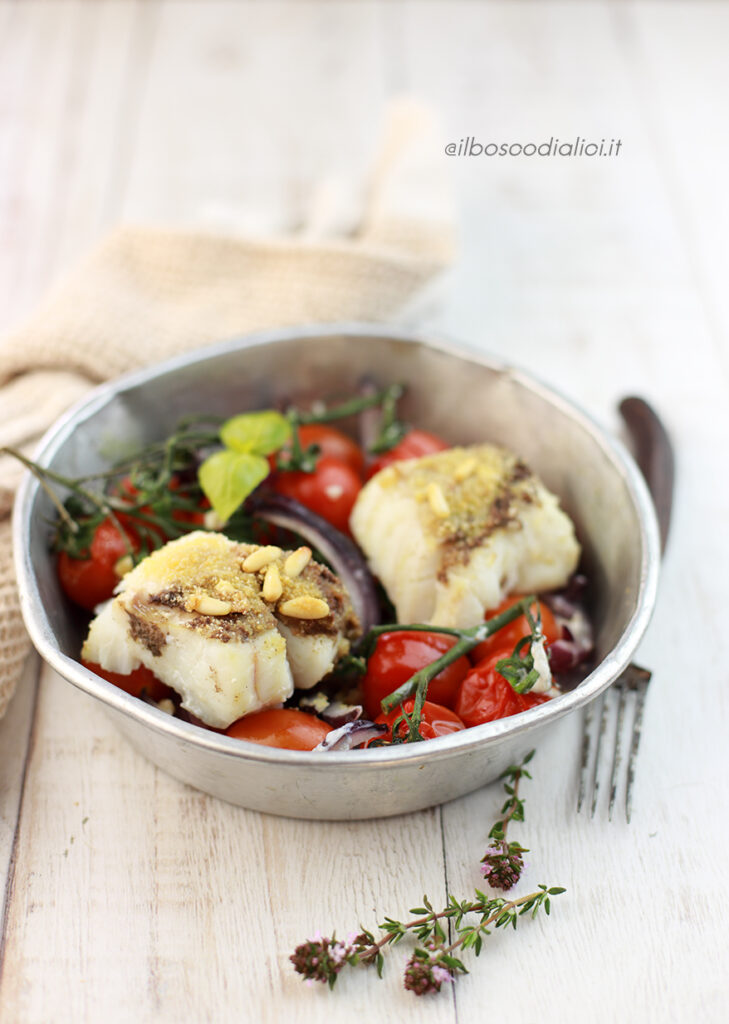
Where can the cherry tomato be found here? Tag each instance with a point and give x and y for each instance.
(281, 727)
(509, 636)
(89, 581)
(331, 442)
(135, 682)
(195, 517)
(485, 695)
(330, 491)
(435, 721)
(398, 656)
(185, 515)
(415, 444)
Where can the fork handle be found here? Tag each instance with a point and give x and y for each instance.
(654, 455)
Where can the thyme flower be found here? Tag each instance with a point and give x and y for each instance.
(502, 864)
(425, 972)
(321, 959)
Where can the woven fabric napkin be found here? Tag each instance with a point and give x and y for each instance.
(146, 294)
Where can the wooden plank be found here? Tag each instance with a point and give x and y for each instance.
(67, 932)
(60, 141)
(137, 898)
(239, 119)
(40, 71)
(685, 121)
(45, 53)
(104, 97)
(15, 732)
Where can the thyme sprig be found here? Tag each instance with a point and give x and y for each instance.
(434, 961)
(135, 493)
(466, 640)
(503, 863)
(158, 491)
(513, 809)
(296, 457)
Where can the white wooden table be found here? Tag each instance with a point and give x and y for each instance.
(129, 897)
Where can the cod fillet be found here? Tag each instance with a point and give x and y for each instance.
(225, 624)
(451, 534)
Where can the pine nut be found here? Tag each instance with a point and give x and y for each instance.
(206, 605)
(436, 500)
(297, 562)
(272, 588)
(261, 558)
(212, 521)
(124, 565)
(465, 469)
(167, 706)
(305, 607)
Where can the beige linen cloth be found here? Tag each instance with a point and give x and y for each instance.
(147, 293)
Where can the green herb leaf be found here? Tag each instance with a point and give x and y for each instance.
(256, 433)
(228, 477)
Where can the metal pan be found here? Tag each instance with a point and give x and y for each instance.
(463, 396)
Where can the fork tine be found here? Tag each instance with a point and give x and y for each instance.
(595, 772)
(633, 680)
(617, 750)
(585, 755)
(641, 679)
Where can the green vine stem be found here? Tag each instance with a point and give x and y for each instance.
(418, 683)
(433, 962)
(390, 429)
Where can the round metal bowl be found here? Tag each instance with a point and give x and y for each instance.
(464, 397)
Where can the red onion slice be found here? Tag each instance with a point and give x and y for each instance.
(352, 734)
(333, 712)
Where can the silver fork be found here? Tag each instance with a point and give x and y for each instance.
(613, 706)
(654, 455)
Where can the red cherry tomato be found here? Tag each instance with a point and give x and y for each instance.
(331, 442)
(509, 636)
(398, 656)
(330, 491)
(435, 721)
(184, 515)
(195, 517)
(89, 581)
(485, 695)
(415, 444)
(135, 682)
(281, 727)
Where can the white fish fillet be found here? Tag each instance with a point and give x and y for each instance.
(451, 534)
(194, 617)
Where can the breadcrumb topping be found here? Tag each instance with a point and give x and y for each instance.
(233, 591)
(482, 488)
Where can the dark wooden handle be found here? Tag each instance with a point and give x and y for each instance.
(654, 455)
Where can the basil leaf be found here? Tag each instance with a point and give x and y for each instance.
(260, 433)
(227, 478)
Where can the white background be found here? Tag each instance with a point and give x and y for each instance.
(602, 277)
